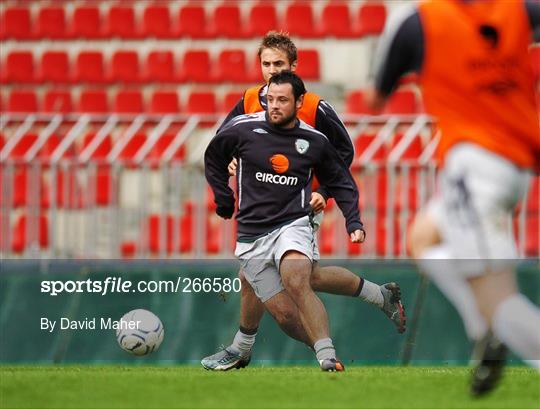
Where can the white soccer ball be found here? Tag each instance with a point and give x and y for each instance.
(140, 332)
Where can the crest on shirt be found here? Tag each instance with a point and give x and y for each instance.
(301, 146)
(259, 130)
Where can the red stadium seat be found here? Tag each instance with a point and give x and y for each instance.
(533, 201)
(19, 67)
(21, 176)
(196, 66)
(86, 23)
(22, 101)
(93, 101)
(57, 102)
(128, 248)
(201, 103)
(161, 146)
(157, 22)
(532, 234)
(121, 23)
(132, 147)
(371, 19)
(363, 141)
(23, 145)
(19, 241)
(231, 66)
(3, 36)
(50, 145)
(192, 21)
(55, 67)
(254, 70)
(160, 67)
(125, 67)
(128, 101)
(89, 67)
(227, 21)
(102, 150)
(17, 23)
(355, 103)
(184, 233)
(51, 23)
(102, 179)
(230, 100)
(262, 19)
(308, 65)
(299, 20)
(402, 102)
(336, 20)
(164, 102)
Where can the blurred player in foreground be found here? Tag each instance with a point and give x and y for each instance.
(277, 53)
(476, 79)
(276, 243)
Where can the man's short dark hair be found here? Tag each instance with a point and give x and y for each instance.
(280, 41)
(289, 77)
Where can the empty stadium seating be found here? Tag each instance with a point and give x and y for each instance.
(262, 18)
(51, 23)
(121, 22)
(56, 101)
(164, 102)
(86, 23)
(55, 67)
(160, 67)
(157, 22)
(299, 20)
(192, 21)
(19, 67)
(129, 102)
(195, 59)
(89, 67)
(93, 101)
(17, 23)
(125, 67)
(22, 101)
(371, 19)
(227, 21)
(336, 20)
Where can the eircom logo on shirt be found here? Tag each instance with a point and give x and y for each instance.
(276, 179)
(280, 164)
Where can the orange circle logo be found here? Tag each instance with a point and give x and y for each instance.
(279, 163)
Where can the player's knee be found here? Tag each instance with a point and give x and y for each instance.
(296, 285)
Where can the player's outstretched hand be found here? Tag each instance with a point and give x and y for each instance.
(317, 202)
(232, 167)
(358, 236)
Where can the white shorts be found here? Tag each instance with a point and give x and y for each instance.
(260, 260)
(479, 191)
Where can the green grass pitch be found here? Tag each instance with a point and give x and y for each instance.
(257, 387)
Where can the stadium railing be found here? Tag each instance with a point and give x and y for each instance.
(132, 186)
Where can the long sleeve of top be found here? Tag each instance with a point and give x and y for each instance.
(274, 175)
(328, 122)
(402, 44)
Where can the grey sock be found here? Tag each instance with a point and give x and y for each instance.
(324, 349)
(243, 343)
